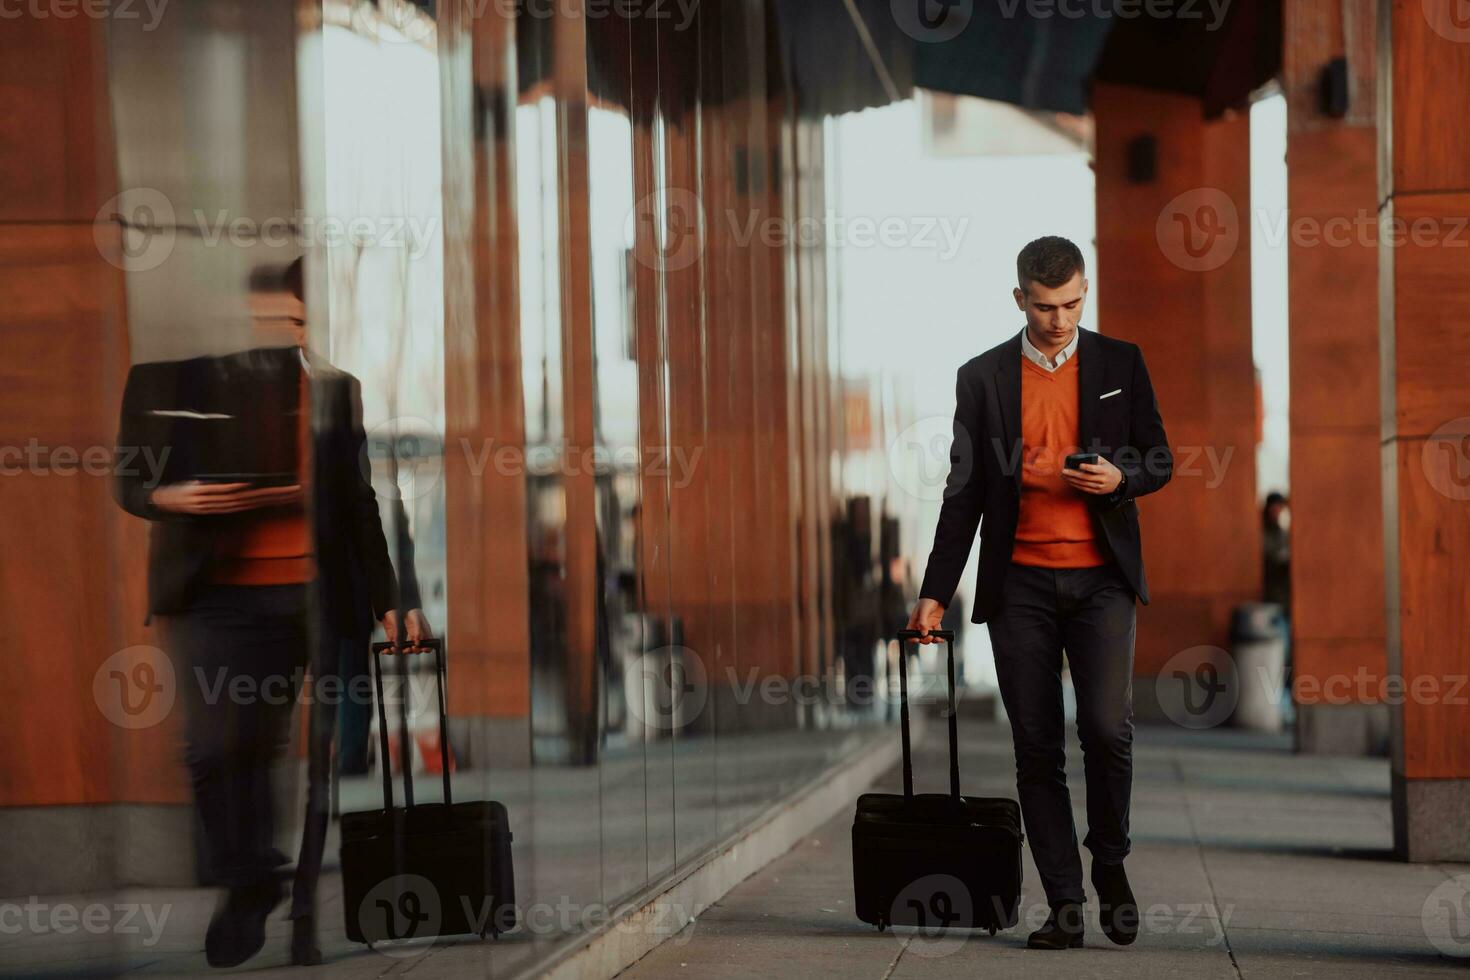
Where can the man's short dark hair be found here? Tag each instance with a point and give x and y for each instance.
(1051, 261)
(279, 279)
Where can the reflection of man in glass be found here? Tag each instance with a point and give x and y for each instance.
(235, 564)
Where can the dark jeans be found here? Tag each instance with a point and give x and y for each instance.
(239, 651)
(356, 715)
(1089, 613)
(345, 663)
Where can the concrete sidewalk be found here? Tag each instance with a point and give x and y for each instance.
(1248, 861)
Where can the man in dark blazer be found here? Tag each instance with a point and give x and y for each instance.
(250, 584)
(1060, 566)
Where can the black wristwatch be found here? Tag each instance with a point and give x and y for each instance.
(1120, 489)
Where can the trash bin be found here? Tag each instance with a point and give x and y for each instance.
(1258, 637)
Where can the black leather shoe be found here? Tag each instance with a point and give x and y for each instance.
(237, 931)
(1061, 930)
(1117, 910)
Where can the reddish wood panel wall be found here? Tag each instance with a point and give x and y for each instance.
(71, 584)
(1426, 405)
(1337, 515)
(1201, 534)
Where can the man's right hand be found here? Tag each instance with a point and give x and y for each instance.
(927, 616)
(196, 497)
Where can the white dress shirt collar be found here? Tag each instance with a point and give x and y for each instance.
(1029, 351)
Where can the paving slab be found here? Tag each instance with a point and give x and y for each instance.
(1248, 861)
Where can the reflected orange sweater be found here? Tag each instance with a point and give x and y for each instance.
(272, 547)
(1055, 527)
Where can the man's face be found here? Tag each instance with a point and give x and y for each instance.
(280, 319)
(1052, 313)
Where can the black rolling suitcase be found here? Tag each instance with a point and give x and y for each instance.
(425, 869)
(936, 860)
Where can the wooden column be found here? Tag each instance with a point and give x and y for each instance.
(580, 689)
(689, 363)
(650, 340)
(777, 413)
(810, 384)
(748, 372)
(1174, 275)
(1337, 577)
(81, 736)
(1424, 157)
(485, 488)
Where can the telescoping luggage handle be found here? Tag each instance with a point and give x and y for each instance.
(903, 692)
(437, 645)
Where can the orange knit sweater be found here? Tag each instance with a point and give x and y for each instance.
(1055, 527)
(273, 546)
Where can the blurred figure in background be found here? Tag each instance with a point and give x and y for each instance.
(1276, 574)
(856, 599)
(898, 590)
(954, 619)
(238, 567)
(356, 715)
(1276, 548)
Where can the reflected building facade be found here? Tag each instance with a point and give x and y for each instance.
(601, 395)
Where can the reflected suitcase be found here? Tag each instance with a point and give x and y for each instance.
(425, 869)
(936, 860)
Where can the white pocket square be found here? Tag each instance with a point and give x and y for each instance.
(1115, 391)
(184, 413)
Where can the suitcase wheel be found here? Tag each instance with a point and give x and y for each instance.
(882, 925)
(992, 928)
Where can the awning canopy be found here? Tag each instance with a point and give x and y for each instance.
(1038, 54)
(845, 55)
